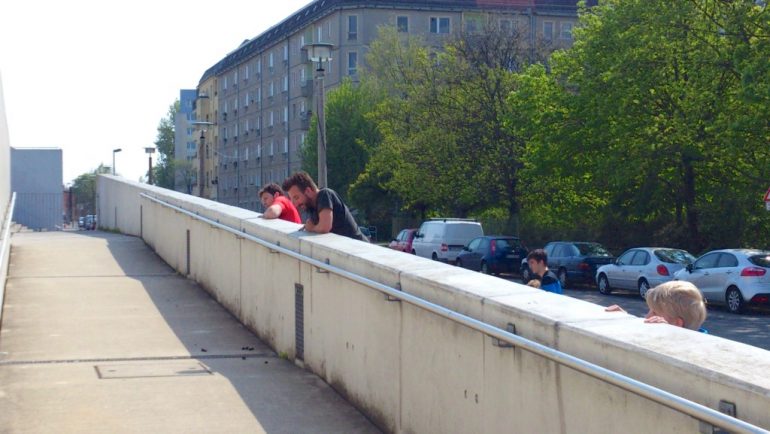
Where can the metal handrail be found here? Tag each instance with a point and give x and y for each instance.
(652, 393)
(7, 229)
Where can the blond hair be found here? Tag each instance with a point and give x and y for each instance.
(678, 299)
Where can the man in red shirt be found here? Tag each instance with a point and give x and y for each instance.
(277, 206)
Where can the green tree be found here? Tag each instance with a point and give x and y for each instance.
(350, 135)
(640, 130)
(84, 190)
(163, 171)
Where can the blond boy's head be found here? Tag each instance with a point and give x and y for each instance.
(679, 303)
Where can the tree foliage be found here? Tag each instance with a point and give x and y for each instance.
(163, 171)
(648, 129)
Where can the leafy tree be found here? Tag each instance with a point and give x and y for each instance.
(186, 173)
(640, 130)
(350, 135)
(84, 190)
(163, 171)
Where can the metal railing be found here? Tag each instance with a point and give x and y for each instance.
(5, 248)
(697, 411)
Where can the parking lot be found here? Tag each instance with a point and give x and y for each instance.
(752, 327)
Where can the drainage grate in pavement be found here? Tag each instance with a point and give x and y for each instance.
(150, 370)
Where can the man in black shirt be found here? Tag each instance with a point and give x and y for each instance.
(327, 211)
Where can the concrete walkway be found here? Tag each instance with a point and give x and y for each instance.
(99, 335)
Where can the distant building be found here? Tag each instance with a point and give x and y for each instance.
(36, 177)
(185, 142)
(260, 96)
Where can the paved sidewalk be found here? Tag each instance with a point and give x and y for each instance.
(99, 335)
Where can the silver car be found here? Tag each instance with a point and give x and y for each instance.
(642, 268)
(735, 277)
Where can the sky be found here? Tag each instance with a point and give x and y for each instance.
(90, 76)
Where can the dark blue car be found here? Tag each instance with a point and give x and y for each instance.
(492, 254)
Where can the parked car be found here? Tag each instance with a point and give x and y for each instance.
(735, 277)
(81, 222)
(90, 222)
(443, 239)
(403, 241)
(572, 261)
(492, 254)
(642, 268)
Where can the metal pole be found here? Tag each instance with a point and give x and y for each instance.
(150, 172)
(322, 181)
(113, 163)
(201, 167)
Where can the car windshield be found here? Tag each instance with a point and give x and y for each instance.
(592, 249)
(506, 243)
(674, 256)
(762, 260)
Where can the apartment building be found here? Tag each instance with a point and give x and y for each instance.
(185, 142)
(262, 93)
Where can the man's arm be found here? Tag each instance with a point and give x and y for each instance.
(273, 211)
(324, 225)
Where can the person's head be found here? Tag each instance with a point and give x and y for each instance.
(301, 190)
(680, 303)
(538, 261)
(268, 194)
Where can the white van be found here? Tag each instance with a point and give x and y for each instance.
(443, 239)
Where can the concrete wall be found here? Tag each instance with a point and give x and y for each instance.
(5, 194)
(411, 371)
(36, 177)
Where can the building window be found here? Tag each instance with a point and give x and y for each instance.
(235, 77)
(272, 89)
(272, 145)
(259, 94)
(548, 30)
(259, 67)
(286, 83)
(285, 145)
(270, 60)
(352, 63)
(224, 83)
(285, 114)
(402, 23)
(352, 27)
(301, 41)
(439, 25)
(302, 77)
(246, 73)
(271, 118)
(286, 52)
(318, 34)
(566, 31)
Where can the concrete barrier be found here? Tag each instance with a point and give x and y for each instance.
(412, 371)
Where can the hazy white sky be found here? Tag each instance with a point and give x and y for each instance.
(89, 76)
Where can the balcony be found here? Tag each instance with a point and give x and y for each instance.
(306, 88)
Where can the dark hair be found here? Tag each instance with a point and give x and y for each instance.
(300, 180)
(538, 255)
(271, 189)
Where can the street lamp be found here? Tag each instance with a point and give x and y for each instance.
(320, 52)
(150, 150)
(114, 151)
(201, 178)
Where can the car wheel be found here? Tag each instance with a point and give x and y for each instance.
(459, 263)
(434, 256)
(734, 300)
(604, 285)
(484, 268)
(413, 252)
(562, 275)
(643, 288)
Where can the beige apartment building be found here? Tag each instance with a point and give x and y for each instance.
(259, 98)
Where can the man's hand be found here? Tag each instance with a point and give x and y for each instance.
(656, 320)
(614, 308)
(309, 226)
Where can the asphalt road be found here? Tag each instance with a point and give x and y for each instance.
(752, 327)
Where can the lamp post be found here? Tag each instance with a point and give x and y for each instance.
(202, 125)
(114, 151)
(150, 150)
(320, 52)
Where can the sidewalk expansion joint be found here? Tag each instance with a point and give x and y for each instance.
(94, 276)
(269, 354)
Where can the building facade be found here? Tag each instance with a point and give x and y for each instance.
(36, 178)
(264, 89)
(185, 142)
